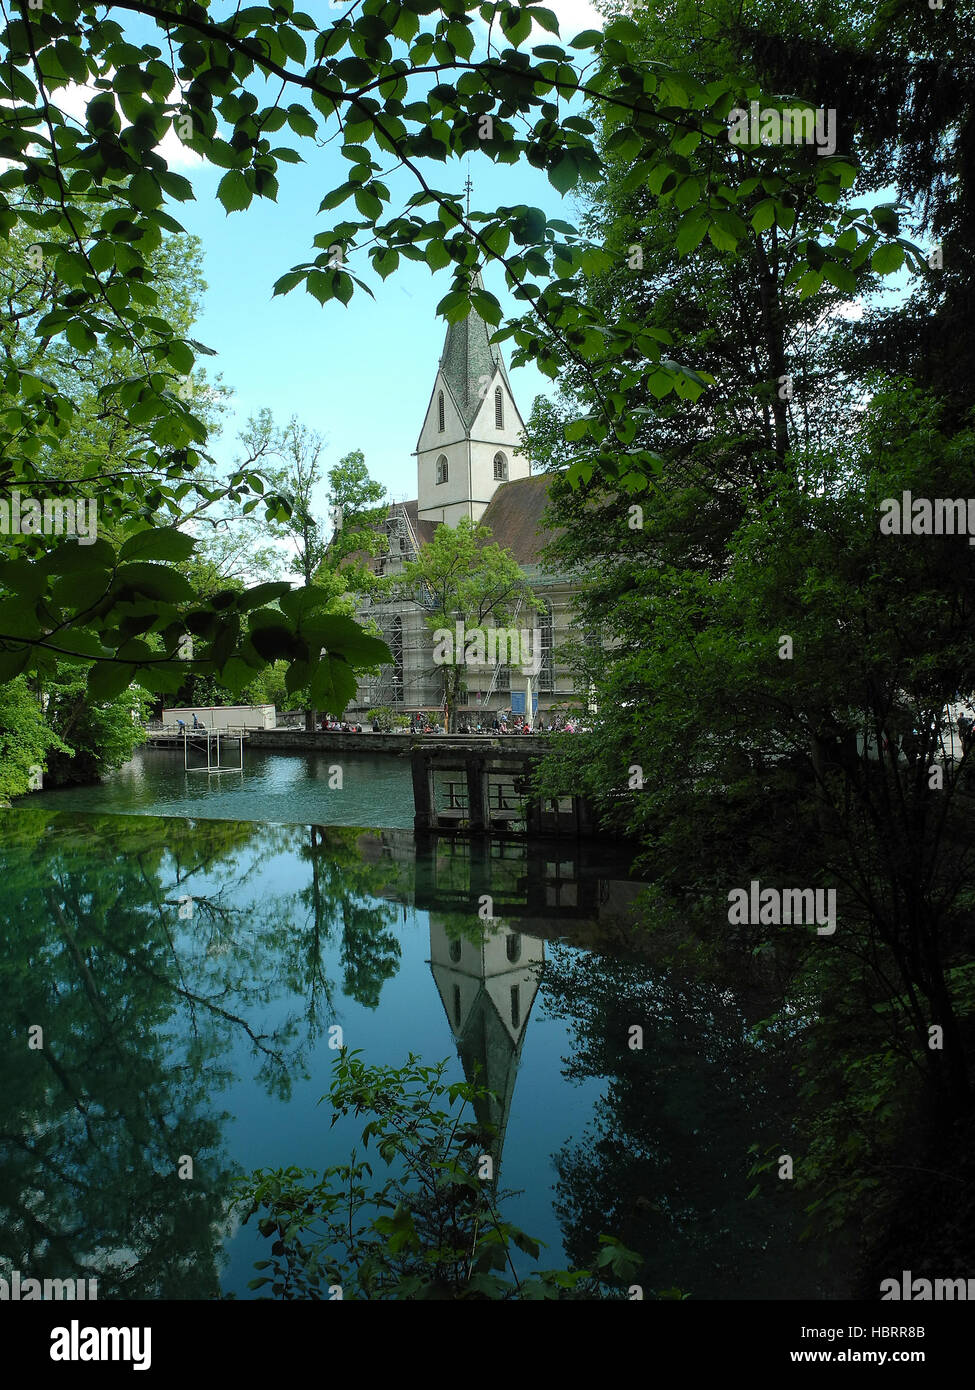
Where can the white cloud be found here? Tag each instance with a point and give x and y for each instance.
(72, 101)
(575, 15)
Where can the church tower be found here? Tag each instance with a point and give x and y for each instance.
(468, 445)
(487, 987)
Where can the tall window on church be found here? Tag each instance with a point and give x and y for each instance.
(440, 416)
(500, 466)
(442, 468)
(498, 408)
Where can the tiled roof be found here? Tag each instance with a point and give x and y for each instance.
(467, 356)
(423, 530)
(514, 516)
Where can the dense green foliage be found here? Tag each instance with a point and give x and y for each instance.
(94, 198)
(25, 737)
(432, 1229)
(728, 431)
(148, 949)
(779, 679)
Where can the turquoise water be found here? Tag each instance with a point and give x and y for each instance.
(186, 973)
(291, 788)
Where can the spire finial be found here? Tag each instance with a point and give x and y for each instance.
(467, 189)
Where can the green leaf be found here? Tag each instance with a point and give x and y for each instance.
(13, 662)
(333, 684)
(691, 232)
(345, 638)
(298, 603)
(286, 283)
(154, 582)
(840, 276)
(564, 173)
(887, 259)
(660, 384)
(764, 215)
(233, 191)
(70, 557)
(261, 594)
(302, 122)
(160, 543)
(721, 239)
(144, 192)
(108, 679)
(80, 336)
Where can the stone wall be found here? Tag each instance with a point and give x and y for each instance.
(297, 741)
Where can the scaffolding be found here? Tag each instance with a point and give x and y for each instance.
(409, 681)
(213, 763)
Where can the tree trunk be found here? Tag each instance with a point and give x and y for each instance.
(949, 1065)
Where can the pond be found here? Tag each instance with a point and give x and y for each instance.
(186, 974)
(292, 788)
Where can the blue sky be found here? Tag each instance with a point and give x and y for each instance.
(361, 375)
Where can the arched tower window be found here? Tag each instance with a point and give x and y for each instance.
(498, 408)
(515, 1008)
(512, 946)
(500, 467)
(455, 950)
(442, 468)
(440, 414)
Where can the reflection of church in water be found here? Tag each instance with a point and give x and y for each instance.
(487, 988)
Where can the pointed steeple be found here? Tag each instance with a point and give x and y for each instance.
(469, 356)
(487, 987)
(470, 441)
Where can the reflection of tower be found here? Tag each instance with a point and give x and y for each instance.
(487, 988)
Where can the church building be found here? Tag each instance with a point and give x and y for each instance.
(469, 463)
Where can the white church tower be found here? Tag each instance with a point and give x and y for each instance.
(468, 443)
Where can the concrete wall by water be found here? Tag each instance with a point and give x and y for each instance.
(297, 741)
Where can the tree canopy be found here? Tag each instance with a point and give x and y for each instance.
(90, 201)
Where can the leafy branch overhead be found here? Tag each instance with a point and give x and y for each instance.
(391, 87)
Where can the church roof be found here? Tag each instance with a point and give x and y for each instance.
(423, 530)
(514, 515)
(468, 355)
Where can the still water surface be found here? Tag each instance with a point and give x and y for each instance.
(186, 974)
(284, 787)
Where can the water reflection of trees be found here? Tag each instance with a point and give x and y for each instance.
(147, 949)
(342, 896)
(664, 1163)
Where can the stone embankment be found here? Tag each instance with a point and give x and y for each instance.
(297, 741)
